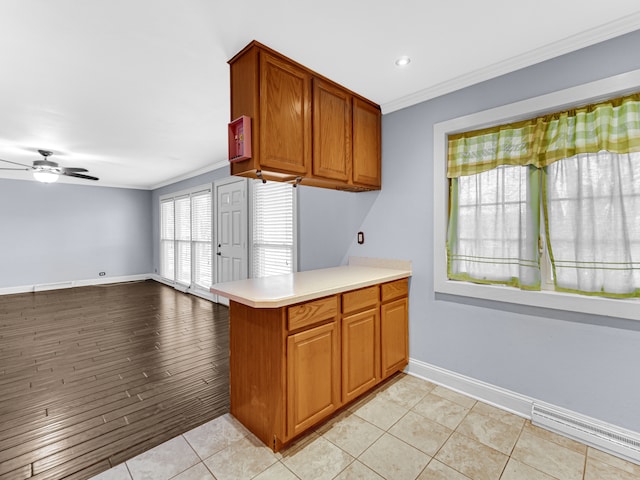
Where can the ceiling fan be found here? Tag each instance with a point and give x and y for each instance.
(47, 171)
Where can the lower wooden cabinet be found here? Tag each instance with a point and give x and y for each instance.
(313, 376)
(291, 367)
(360, 353)
(394, 336)
(394, 327)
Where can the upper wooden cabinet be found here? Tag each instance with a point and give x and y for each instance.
(366, 144)
(305, 128)
(331, 131)
(285, 116)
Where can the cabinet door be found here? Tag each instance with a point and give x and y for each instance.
(394, 330)
(285, 116)
(366, 143)
(360, 353)
(313, 376)
(331, 131)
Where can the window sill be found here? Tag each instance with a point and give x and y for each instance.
(609, 307)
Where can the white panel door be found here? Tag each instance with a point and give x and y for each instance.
(231, 231)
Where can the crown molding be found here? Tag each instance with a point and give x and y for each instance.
(569, 44)
(191, 174)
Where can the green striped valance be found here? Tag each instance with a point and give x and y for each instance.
(613, 125)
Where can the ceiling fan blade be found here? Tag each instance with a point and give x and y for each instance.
(79, 175)
(74, 170)
(29, 167)
(21, 169)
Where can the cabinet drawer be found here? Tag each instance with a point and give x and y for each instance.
(313, 312)
(397, 289)
(359, 299)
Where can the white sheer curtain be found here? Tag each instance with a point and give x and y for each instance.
(593, 223)
(493, 228)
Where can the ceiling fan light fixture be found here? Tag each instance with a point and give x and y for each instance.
(45, 176)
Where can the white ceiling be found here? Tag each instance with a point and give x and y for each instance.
(136, 91)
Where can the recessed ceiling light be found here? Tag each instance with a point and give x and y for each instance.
(403, 61)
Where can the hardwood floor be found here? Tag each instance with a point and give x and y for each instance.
(92, 376)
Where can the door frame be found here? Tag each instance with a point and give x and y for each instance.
(216, 185)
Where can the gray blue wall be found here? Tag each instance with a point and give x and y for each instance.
(586, 363)
(328, 221)
(60, 232)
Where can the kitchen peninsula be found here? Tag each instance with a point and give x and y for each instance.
(305, 344)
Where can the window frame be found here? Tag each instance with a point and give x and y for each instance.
(252, 220)
(187, 193)
(591, 92)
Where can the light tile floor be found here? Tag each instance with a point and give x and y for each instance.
(406, 429)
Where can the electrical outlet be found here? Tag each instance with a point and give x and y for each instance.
(102, 274)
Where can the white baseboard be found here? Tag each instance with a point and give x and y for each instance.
(106, 280)
(207, 295)
(498, 397)
(593, 432)
(41, 287)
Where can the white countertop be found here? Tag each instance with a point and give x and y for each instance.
(282, 290)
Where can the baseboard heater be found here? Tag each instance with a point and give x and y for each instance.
(610, 438)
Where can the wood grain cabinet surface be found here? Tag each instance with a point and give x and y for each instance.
(313, 372)
(360, 352)
(331, 131)
(305, 127)
(394, 333)
(291, 367)
(366, 144)
(285, 116)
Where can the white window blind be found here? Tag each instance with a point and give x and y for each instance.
(201, 239)
(273, 232)
(186, 238)
(167, 239)
(183, 239)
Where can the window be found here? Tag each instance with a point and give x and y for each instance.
(186, 238)
(586, 158)
(201, 239)
(182, 217)
(593, 219)
(493, 234)
(167, 239)
(273, 234)
(489, 232)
